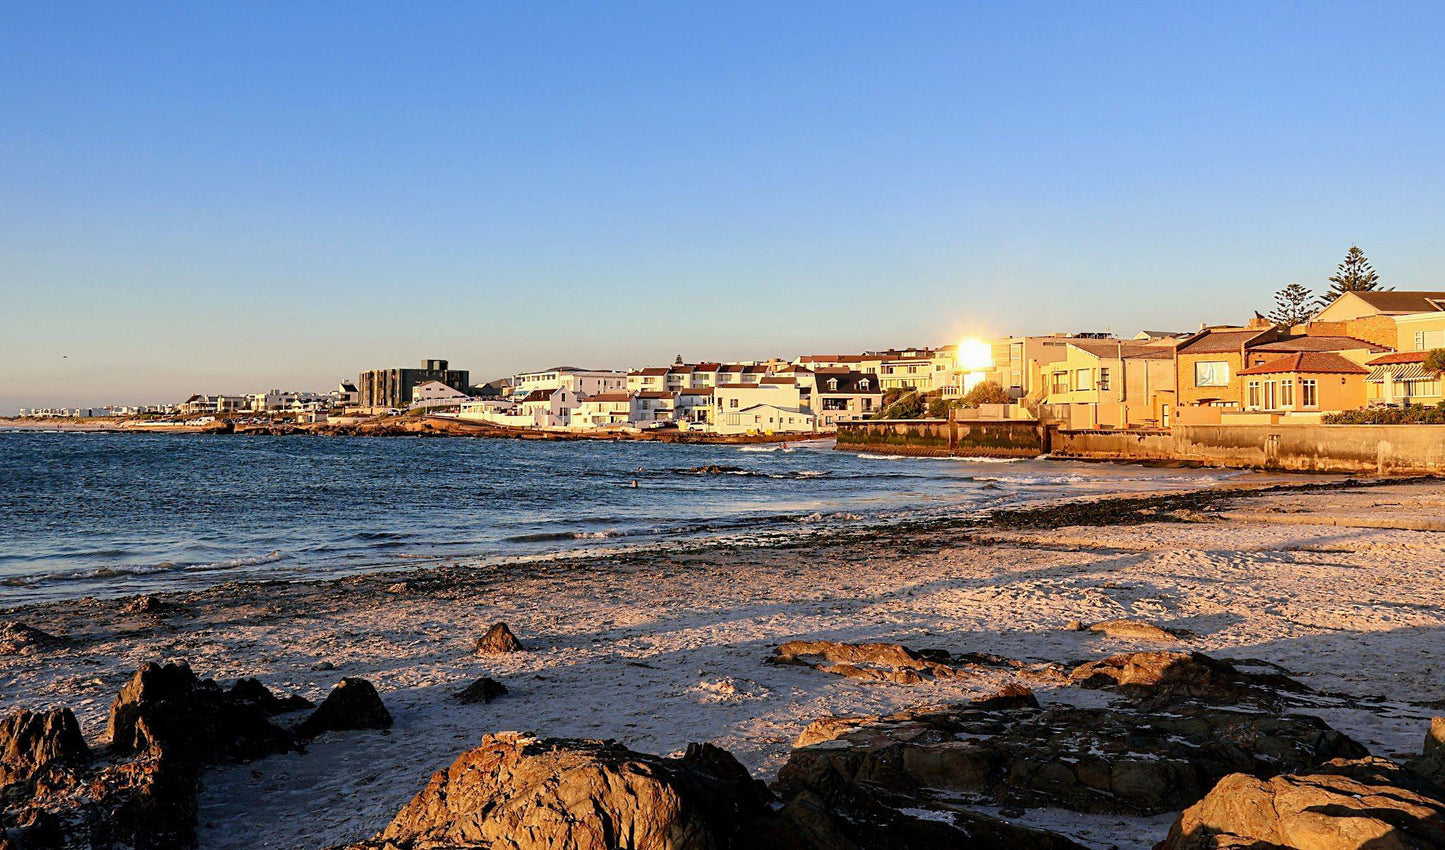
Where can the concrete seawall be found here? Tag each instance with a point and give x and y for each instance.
(1304, 448)
(942, 438)
(1405, 449)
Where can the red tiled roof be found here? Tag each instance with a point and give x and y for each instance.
(539, 395)
(1110, 349)
(651, 370)
(696, 391)
(1400, 357)
(778, 379)
(1308, 361)
(654, 394)
(1390, 301)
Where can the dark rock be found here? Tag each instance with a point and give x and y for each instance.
(352, 704)
(876, 662)
(168, 710)
(712, 469)
(482, 690)
(20, 639)
(497, 640)
(1163, 677)
(1091, 760)
(323, 666)
(252, 691)
(30, 741)
(829, 728)
(1342, 805)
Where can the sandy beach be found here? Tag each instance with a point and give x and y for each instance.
(1340, 586)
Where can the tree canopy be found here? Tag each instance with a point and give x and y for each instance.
(1355, 274)
(1293, 305)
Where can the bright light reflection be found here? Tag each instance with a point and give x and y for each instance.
(974, 355)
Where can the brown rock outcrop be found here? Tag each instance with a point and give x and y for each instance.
(352, 704)
(876, 662)
(1091, 760)
(1344, 805)
(519, 793)
(20, 639)
(1170, 676)
(30, 741)
(1435, 737)
(1133, 630)
(168, 710)
(497, 640)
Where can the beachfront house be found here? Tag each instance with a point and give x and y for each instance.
(694, 406)
(549, 408)
(1377, 316)
(604, 410)
(765, 419)
(841, 395)
(1402, 379)
(1303, 386)
(577, 381)
(1207, 366)
(431, 395)
(650, 406)
(1111, 384)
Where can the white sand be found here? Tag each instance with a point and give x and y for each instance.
(663, 649)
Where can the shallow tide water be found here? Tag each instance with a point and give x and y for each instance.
(106, 514)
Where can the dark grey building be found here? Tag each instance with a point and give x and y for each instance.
(392, 387)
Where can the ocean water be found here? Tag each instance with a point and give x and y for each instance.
(104, 514)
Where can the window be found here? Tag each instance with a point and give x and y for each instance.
(1254, 394)
(832, 384)
(1211, 373)
(867, 404)
(732, 402)
(863, 385)
(1309, 393)
(1286, 393)
(1103, 378)
(1419, 340)
(1270, 393)
(1061, 383)
(1083, 379)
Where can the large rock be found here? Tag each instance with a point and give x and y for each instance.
(30, 741)
(352, 704)
(168, 710)
(20, 639)
(1435, 737)
(876, 662)
(165, 727)
(498, 640)
(519, 793)
(1163, 677)
(483, 690)
(1091, 760)
(1366, 804)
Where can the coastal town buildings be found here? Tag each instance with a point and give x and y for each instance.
(1207, 367)
(841, 395)
(1401, 378)
(435, 394)
(392, 388)
(580, 382)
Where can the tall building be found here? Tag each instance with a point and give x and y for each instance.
(393, 387)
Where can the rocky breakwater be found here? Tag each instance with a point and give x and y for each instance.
(138, 790)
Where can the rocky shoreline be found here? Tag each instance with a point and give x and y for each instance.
(1115, 672)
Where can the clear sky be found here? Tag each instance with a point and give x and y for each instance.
(230, 197)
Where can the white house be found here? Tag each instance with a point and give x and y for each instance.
(603, 410)
(436, 394)
(579, 382)
(765, 419)
(653, 406)
(550, 408)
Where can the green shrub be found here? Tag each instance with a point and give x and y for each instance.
(1415, 414)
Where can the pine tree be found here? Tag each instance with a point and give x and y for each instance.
(1355, 274)
(1293, 305)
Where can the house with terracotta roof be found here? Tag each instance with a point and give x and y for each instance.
(1102, 383)
(653, 406)
(694, 406)
(1207, 366)
(652, 378)
(603, 410)
(1401, 379)
(1304, 385)
(1355, 350)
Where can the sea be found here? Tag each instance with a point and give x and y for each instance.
(110, 514)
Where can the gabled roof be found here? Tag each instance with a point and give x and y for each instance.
(681, 369)
(1112, 350)
(1390, 301)
(848, 384)
(1400, 357)
(779, 379)
(650, 371)
(538, 395)
(608, 397)
(1221, 340)
(1319, 343)
(1325, 362)
(654, 394)
(696, 391)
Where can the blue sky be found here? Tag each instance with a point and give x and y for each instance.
(230, 197)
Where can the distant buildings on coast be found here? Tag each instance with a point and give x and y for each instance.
(1363, 350)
